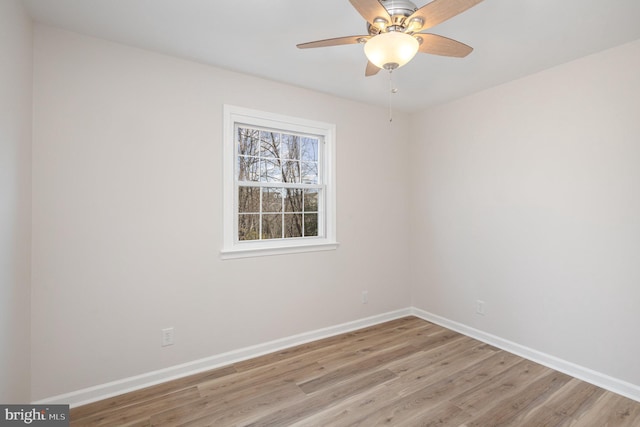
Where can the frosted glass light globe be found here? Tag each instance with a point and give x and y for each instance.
(391, 50)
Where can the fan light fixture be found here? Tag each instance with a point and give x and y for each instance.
(391, 50)
(396, 32)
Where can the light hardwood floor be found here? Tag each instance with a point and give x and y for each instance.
(407, 372)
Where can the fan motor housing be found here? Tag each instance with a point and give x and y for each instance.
(399, 7)
(398, 10)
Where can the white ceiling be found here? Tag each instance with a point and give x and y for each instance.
(512, 38)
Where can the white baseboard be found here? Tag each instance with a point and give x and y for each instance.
(125, 385)
(615, 385)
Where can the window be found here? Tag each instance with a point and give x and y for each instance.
(278, 184)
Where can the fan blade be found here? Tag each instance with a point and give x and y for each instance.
(438, 45)
(371, 70)
(370, 10)
(439, 11)
(338, 41)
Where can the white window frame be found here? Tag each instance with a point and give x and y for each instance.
(326, 240)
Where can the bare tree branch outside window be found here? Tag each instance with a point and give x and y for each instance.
(278, 184)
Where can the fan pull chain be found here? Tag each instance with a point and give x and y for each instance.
(392, 90)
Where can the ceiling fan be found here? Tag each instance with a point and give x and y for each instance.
(395, 32)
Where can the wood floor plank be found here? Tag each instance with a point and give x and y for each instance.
(411, 381)
(324, 398)
(415, 370)
(512, 409)
(437, 339)
(292, 371)
(562, 407)
(348, 338)
(427, 357)
(340, 355)
(459, 373)
(347, 410)
(409, 405)
(476, 400)
(611, 410)
(354, 369)
(406, 372)
(230, 412)
(140, 412)
(174, 415)
(446, 365)
(248, 388)
(124, 400)
(443, 414)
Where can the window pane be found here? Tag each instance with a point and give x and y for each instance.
(292, 225)
(311, 200)
(271, 199)
(248, 199)
(248, 227)
(269, 144)
(291, 171)
(290, 147)
(248, 168)
(309, 172)
(310, 224)
(309, 149)
(248, 140)
(272, 226)
(270, 171)
(293, 200)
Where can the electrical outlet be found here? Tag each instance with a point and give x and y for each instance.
(167, 337)
(480, 307)
(365, 297)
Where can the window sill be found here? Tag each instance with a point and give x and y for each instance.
(276, 250)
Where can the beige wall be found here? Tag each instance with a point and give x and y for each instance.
(15, 201)
(527, 196)
(127, 222)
